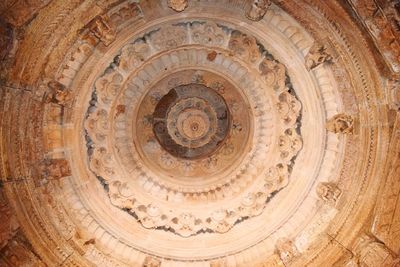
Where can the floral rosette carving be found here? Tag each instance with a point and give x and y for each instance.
(126, 155)
(208, 34)
(169, 37)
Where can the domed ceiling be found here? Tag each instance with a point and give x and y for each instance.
(200, 133)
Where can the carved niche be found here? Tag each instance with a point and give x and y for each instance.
(258, 9)
(328, 192)
(103, 29)
(178, 5)
(316, 56)
(341, 123)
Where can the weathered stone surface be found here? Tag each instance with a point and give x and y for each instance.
(386, 224)
(243, 171)
(257, 9)
(178, 5)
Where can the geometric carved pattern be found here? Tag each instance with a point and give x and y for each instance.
(185, 118)
(90, 184)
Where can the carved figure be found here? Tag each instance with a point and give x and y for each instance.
(316, 56)
(178, 5)
(289, 108)
(102, 28)
(55, 168)
(133, 55)
(329, 192)
(340, 123)
(273, 73)
(286, 249)
(58, 93)
(244, 46)
(258, 9)
(289, 144)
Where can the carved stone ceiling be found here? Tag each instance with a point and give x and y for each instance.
(199, 133)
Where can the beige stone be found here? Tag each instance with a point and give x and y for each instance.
(199, 133)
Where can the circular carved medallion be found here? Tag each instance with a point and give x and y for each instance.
(191, 121)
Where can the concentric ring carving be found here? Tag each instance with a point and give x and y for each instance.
(226, 174)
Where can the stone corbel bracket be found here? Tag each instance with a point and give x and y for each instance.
(341, 124)
(102, 28)
(57, 93)
(177, 5)
(317, 55)
(328, 192)
(257, 9)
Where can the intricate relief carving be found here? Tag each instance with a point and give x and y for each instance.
(371, 252)
(97, 125)
(52, 169)
(58, 93)
(133, 55)
(258, 9)
(178, 5)
(102, 162)
(169, 37)
(75, 58)
(393, 86)
(221, 220)
(103, 29)
(316, 56)
(186, 224)
(379, 26)
(328, 192)
(289, 144)
(287, 250)
(106, 123)
(208, 34)
(107, 87)
(289, 108)
(244, 46)
(277, 177)
(341, 123)
(274, 73)
(124, 13)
